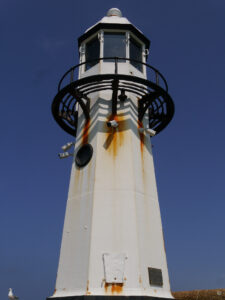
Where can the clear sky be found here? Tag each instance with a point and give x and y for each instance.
(38, 44)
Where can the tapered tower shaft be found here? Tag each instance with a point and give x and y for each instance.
(112, 241)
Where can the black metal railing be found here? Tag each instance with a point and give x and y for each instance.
(155, 76)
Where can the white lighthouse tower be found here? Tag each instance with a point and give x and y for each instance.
(112, 244)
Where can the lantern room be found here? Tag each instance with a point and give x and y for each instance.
(113, 37)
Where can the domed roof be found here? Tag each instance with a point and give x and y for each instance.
(114, 12)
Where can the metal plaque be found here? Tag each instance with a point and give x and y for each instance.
(155, 276)
(114, 265)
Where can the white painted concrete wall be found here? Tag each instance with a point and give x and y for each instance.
(112, 231)
(112, 207)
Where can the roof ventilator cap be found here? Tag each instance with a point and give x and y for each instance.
(114, 12)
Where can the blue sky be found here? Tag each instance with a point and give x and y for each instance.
(38, 44)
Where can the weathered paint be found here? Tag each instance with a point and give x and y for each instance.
(87, 289)
(85, 132)
(115, 136)
(142, 137)
(113, 288)
(55, 290)
(112, 204)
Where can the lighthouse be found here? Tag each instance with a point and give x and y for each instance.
(112, 104)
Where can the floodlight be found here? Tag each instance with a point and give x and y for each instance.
(64, 155)
(150, 131)
(67, 146)
(112, 123)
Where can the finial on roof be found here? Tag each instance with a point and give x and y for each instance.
(114, 12)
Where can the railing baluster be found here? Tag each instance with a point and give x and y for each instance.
(158, 75)
(116, 65)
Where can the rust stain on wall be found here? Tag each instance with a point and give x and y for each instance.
(54, 292)
(78, 180)
(114, 288)
(79, 172)
(142, 149)
(106, 287)
(115, 136)
(142, 138)
(85, 132)
(117, 288)
(87, 289)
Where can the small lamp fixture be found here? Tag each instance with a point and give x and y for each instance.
(149, 131)
(112, 123)
(64, 155)
(67, 146)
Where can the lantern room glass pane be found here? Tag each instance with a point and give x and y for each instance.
(114, 45)
(92, 52)
(136, 54)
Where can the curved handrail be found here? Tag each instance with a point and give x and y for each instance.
(116, 59)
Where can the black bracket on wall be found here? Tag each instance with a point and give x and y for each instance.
(153, 96)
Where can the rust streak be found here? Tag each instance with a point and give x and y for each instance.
(115, 136)
(142, 138)
(78, 181)
(54, 291)
(115, 287)
(85, 132)
(106, 287)
(87, 287)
